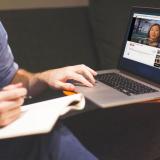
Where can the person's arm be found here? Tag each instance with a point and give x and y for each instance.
(30, 81)
(12, 96)
(55, 78)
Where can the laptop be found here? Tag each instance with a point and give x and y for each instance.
(137, 77)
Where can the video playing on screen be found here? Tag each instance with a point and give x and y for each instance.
(143, 43)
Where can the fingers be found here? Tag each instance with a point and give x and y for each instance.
(5, 106)
(10, 116)
(80, 78)
(57, 78)
(83, 67)
(11, 98)
(65, 86)
(86, 72)
(12, 86)
(88, 75)
(12, 94)
(69, 86)
(90, 70)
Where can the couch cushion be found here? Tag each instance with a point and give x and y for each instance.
(49, 38)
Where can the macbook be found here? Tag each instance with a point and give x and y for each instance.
(137, 76)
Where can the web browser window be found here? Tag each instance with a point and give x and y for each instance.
(143, 44)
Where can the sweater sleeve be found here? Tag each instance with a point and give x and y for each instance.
(8, 67)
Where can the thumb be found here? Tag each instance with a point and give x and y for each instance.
(65, 86)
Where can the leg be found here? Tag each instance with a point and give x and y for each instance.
(60, 144)
(63, 145)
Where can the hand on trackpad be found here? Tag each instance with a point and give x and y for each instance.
(76, 83)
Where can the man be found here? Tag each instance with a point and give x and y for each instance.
(15, 85)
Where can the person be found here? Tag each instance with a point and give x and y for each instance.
(16, 84)
(153, 36)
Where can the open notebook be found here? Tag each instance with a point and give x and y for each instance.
(40, 117)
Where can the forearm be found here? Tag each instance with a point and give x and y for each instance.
(32, 81)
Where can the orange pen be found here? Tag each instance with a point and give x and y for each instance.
(68, 93)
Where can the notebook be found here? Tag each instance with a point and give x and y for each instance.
(40, 118)
(137, 76)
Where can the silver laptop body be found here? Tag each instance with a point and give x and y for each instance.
(138, 61)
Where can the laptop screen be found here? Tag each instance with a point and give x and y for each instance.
(141, 52)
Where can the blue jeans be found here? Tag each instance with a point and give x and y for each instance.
(60, 144)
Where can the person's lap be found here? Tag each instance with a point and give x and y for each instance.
(59, 144)
(123, 133)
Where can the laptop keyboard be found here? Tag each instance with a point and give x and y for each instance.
(123, 84)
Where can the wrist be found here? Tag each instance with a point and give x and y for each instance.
(42, 78)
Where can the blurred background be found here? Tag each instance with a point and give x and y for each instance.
(19, 4)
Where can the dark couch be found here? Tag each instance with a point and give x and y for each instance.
(49, 38)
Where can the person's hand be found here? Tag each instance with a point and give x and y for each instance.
(57, 78)
(11, 98)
